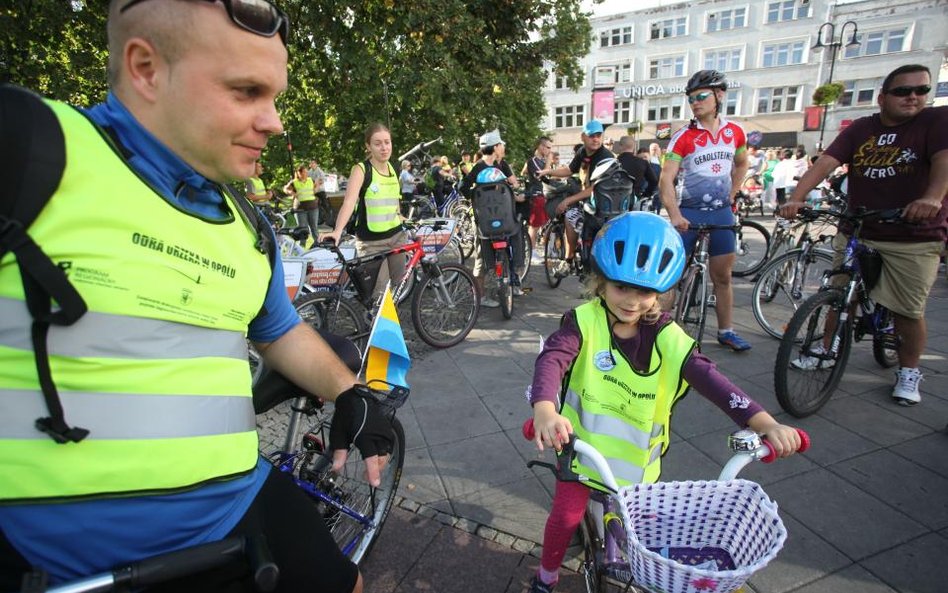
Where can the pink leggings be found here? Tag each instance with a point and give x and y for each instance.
(569, 504)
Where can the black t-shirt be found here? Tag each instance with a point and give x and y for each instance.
(534, 183)
(641, 170)
(584, 164)
(467, 184)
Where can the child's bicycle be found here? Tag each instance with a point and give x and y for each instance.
(675, 537)
(812, 356)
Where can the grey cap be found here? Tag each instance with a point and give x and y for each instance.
(490, 139)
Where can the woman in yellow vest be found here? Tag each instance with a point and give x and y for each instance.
(304, 198)
(257, 191)
(373, 194)
(615, 368)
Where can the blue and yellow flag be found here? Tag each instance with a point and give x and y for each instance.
(386, 357)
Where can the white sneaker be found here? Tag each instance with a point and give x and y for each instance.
(489, 303)
(561, 268)
(812, 363)
(517, 290)
(905, 391)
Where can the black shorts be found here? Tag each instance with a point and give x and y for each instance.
(299, 541)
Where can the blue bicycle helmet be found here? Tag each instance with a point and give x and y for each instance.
(641, 249)
(491, 175)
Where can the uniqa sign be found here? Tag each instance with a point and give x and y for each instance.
(654, 90)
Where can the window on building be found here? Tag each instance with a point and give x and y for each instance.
(777, 99)
(783, 54)
(732, 103)
(569, 116)
(724, 60)
(878, 42)
(787, 10)
(675, 27)
(723, 20)
(667, 67)
(859, 92)
(623, 73)
(623, 112)
(664, 109)
(613, 37)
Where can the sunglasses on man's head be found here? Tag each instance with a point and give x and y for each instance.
(904, 91)
(699, 97)
(257, 16)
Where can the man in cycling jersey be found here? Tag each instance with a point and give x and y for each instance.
(156, 369)
(711, 154)
(584, 162)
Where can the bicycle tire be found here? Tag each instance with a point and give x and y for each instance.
(505, 284)
(256, 363)
(349, 488)
(322, 310)
(554, 246)
(885, 342)
(692, 308)
(753, 242)
(527, 254)
(784, 284)
(445, 308)
(467, 233)
(592, 551)
(803, 392)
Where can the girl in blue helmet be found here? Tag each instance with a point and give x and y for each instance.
(613, 370)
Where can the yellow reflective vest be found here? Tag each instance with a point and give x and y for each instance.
(156, 369)
(378, 215)
(305, 190)
(622, 412)
(257, 189)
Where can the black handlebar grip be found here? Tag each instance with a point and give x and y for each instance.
(266, 574)
(182, 563)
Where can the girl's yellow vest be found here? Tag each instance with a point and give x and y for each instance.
(622, 412)
(305, 190)
(381, 200)
(157, 369)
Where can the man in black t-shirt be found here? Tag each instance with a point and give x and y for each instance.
(583, 164)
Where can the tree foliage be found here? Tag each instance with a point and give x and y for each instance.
(828, 94)
(427, 68)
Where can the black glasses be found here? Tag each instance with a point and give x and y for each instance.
(257, 16)
(699, 97)
(904, 91)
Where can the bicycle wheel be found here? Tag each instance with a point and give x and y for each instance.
(885, 342)
(445, 306)
(467, 233)
(348, 493)
(504, 284)
(592, 550)
(784, 283)
(452, 253)
(256, 363)
(523, 270)
(692, 307)
(553, 249)
(753, 241)
(337, 315)
(804, 377)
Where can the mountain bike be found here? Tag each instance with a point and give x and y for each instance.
(354, 511)
(792, 276)
(815, 348)
(444, 305)
(752, 243)
(692, 297)
(677, 537)
(555, 265)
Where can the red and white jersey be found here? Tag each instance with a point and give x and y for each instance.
(706, 162)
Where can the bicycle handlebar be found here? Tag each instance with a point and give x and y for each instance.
(183, 563)
(564, 472)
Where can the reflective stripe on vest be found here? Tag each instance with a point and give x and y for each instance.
(621, 412)
(157, 367)
(382, 201)
(305, 190)
(259, 189)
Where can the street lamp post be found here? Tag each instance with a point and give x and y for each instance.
(833, 44)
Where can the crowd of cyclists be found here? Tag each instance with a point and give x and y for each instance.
(155, 449)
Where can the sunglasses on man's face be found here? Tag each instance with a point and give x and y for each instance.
(904, 91)
(257, 16)
(692, 99)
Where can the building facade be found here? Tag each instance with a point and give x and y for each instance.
(775, 53)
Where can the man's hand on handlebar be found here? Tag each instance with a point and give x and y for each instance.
(358, 419)
(790, 209)
(921, 210)
(331, 236)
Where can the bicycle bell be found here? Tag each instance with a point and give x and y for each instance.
(744, 441)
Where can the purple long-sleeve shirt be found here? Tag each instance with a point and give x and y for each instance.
(562, 347)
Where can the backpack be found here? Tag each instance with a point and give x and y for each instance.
(32, 162)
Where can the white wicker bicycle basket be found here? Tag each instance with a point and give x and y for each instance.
(678, 531)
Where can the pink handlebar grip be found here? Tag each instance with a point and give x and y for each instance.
(527, 429)
(772, 456)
